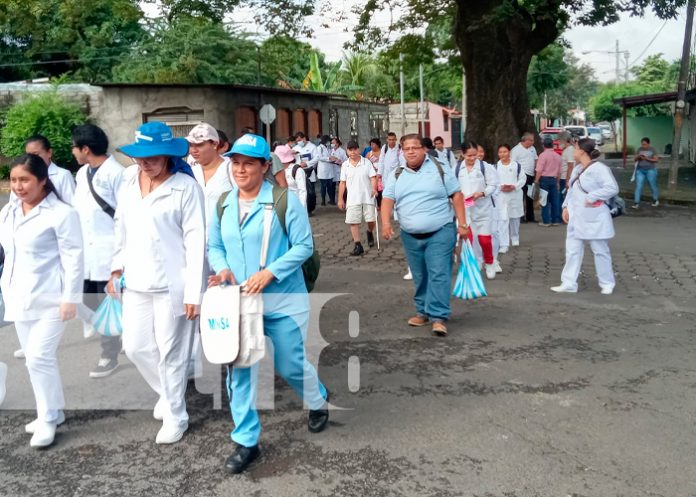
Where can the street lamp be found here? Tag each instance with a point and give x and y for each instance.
(616, 52)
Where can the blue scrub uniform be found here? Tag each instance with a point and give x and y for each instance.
(286, 302)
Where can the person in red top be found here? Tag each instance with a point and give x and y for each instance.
(548, 177)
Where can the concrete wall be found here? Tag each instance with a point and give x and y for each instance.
(120, 109)
(660, 129)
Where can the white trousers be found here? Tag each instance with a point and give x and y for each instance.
(575, 250)
(39, 340)
(509, 229)
(159, 344)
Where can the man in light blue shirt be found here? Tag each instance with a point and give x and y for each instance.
(421, 192)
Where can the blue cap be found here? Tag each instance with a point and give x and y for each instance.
(252, 146)
(153, 139)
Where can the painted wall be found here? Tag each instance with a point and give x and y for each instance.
(659, 129)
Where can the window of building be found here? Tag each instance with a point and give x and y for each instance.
(180, 119)
(445, 120)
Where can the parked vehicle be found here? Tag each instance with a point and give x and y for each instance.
(606, 131)
(553, 133)
(577, 131)
(596, 134)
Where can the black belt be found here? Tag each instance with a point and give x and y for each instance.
(422, 236)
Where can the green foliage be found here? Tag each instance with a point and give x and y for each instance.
(568, 85)
(284, 61)
(603, 108)
(548, 71)
(190, 51)
(47, 114)
(214, 10)
(54, 37)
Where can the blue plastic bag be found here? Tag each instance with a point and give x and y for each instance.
(469, 282)
(108, 316)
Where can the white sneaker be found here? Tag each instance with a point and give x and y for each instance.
(656, 203)
(408, 276)
(170, 434)
(607, 290)
(31, 427)
(3, 381)
(503, 250)
(564, 289)
(515, 242)
(44, 434)
(490, 271)
(160, 409)
(19, 354)
(497, 267)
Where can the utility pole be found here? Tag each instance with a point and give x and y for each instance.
(422, 99)
(680, 106)
(618, 64)
(626, 56)
(401, 88)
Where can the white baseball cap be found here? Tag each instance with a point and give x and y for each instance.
(203, 132)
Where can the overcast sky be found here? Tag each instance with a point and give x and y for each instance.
(634, 34)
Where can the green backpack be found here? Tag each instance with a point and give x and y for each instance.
(310, 267)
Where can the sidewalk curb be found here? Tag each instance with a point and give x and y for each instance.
(627, 195)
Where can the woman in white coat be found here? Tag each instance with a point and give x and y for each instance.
(41, 283)
(160, 252)
(478, 187)
(585, 211)
(509, 200)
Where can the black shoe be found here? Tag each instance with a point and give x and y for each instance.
(241, 459)
(323, 202)
(319, 419)
(358, 250)
(332, 203)
(370, 239)
(105, 367)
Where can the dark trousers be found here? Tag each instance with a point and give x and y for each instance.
(328, 186)
(528, 202)
(93, 295)
(311, 196)
(551, 212)
(562, 192)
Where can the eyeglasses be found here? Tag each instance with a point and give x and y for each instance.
(411, 149)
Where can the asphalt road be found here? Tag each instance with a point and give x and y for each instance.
(532, 394)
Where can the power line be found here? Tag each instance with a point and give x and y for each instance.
(649, 44)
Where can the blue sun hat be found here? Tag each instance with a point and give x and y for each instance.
(252, 146)
(153, 139)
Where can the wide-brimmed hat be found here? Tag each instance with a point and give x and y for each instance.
(285, 154)
(203, 132)
(252, 146)
(153, 139)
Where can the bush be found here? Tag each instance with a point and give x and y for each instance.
(47, 114)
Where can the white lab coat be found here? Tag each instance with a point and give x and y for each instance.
(342, 156)
(176, 218)
(43, 259)
(590, 223)
(325, 168)
(298, 184)
(480, 214)
(63, 181)
(97, 225)
(218, 184)
(308, 154)
(510, 204)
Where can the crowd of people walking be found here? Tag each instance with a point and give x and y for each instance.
(192, 213)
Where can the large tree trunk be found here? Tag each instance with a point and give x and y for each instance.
(496, 54)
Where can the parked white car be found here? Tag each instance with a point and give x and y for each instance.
(596, 134)
(578, 132)
(606, 131)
